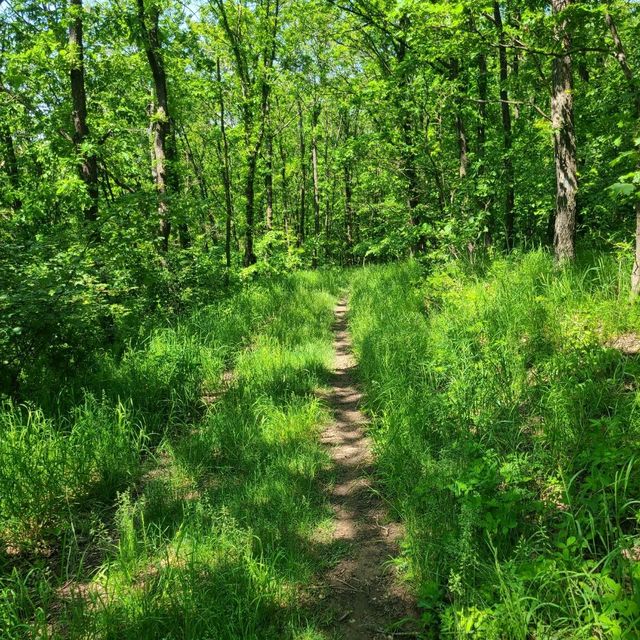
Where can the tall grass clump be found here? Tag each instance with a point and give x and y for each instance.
(508, 439)
(184, 502)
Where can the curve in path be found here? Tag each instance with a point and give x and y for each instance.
(363, 593)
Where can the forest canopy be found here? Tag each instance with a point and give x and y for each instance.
(198, 137)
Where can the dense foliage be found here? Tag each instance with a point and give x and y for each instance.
(150, 148)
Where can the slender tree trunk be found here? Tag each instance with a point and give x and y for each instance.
(621, 57)
(164, 142)
(226, 172)
(88, 168)
(462, 146)
(507, 133)
(303, 178)
(348, 208)
(249, 193)
(268, 182)
(329, 198)
(316, 183)
(11, 166)
(483, 93)
(348, 191)
(515, 65)
(203, 187)
(484, 201)
(408, 153)
(461, 133)
(564, 142)
(285, 191)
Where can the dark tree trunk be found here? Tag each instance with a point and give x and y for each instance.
(348, 208)
(483, 93)
(408, 154)
(461, 132)
(226, 171)
(484, 201)
(249, 257)
(329, 199)
(303, 178)
(11, 167)
(88, 168)
(507, 132)
(564, 141)
(254, 123)
(316, 183)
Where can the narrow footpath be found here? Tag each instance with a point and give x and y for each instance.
(363, 594)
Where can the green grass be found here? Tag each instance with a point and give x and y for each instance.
(142, 511)
(508, 440)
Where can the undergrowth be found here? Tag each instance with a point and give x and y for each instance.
(172, 492)
(507, 433)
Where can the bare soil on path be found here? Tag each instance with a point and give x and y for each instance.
(362, 593)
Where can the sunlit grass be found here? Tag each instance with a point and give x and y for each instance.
(153, 513)
(507, 437)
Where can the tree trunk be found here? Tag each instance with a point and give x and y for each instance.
(226, 172)
(408, 153)
(329, 198)
(249, 257)
(621, 57)
(268, 182)
(484, 201)
(88, 169)
(461, 133)
(11, 167)
(348, 208)
(507, 132)
(164, 141)
(303, 178)
(564, 142)
(316, 183)
(285, 191)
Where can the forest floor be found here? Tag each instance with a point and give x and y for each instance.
(362, 593)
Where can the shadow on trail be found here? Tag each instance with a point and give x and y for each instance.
(364, 598)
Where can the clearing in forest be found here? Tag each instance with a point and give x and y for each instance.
(363, 595)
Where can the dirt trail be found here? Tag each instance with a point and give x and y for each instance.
(363, 594)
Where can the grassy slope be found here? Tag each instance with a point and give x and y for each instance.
(141, 514)
(508, 438)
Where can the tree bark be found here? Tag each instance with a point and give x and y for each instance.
(564, 141)
(285, 191)
(88, 168)
(268, 182)
(348, 207)
(316, 183)
(303, 178)
(507, 132)
(11, 166)
(461, 132)
(249, 194)
(226, 172)
(483, 201)
(254, 124)
(164, 150)
(621, 57)
(408, 153)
